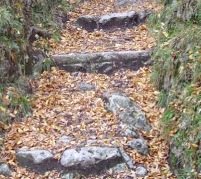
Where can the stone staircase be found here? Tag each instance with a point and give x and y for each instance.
(87, 159)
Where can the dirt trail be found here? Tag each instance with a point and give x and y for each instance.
(60, 108)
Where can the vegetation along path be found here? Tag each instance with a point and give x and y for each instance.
(94, 114)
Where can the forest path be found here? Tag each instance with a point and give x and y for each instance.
(68, 107)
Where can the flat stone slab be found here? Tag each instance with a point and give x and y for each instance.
(101, 62)
(91, 157)
(33, 156)
(83, 160)
(114, 20)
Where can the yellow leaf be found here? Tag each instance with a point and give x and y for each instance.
(3, 126)
(19, 142)
(20, 130)
(2, 109)
(191, 56)
(165, 34)
(194, 146)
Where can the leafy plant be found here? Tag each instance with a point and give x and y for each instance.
(47, 64)
(17, 18)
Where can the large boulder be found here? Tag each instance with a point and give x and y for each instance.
(127, 111)
(91, 158)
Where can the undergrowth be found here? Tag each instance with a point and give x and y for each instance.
(177, 74)
(17, 18)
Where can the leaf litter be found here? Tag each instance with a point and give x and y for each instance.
(75, 39)
(60, 108)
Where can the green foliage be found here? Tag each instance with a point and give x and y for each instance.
(16, 19)
(177, 74)
(19, 102)
(162, 98)
(43, 10)
(47, 64)
(11, 34)
(13, 104)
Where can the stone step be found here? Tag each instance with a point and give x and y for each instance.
(114, 20)
(86, 160)
(88, 157)
(101, 62)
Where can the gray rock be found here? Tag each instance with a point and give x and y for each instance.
(116, 102)
(39, 161)
(24, 85)
(27, 157)
(128, 161)
(135, 118)
(60, 17)
(126, 130)
(86, 87)
(119, 168)
(68, 176)
(141, 171)
(139, 145)
(5, 170)
(101, 62)
(142, 16)
(127, 111)
(94, 142)
(8, 71)
(64, 139)
(125, 19)
(131, 133)
(122, 3)
(87, 22)
(35, 62)
(114, 20)
(90, 157)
